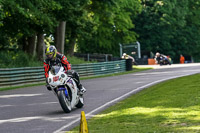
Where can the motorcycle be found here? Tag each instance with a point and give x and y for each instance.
(65, 88)
(162, 60)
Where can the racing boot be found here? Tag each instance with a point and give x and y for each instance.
(81, 89)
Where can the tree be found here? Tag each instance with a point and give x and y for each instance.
(72, 16)
(160, 26)
(25, 19)
(111, 27)
(192, 30)
(40, 46)
(60, 36)
(1, 14)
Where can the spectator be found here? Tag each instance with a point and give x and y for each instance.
(125, 56)
(170, 59)
(182, 59)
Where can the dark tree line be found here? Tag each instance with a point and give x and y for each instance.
(171, 27)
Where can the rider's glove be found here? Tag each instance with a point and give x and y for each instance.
(70, 73)
(48, 87)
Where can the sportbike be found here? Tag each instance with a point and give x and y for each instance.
(65, 88)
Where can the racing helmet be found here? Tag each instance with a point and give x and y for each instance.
(157, 54)
(124, 54)
(50, 52)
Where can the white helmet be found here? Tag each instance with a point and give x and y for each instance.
(124, 54)
(157, 54)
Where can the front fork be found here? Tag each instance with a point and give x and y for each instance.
(63, 88)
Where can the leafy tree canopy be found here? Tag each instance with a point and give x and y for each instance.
(170, 27)
(112, 25)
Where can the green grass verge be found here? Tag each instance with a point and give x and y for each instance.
(81, 78)
(171, 106)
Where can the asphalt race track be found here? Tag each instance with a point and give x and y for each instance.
(36, 110)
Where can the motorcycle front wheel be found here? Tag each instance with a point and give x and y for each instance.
(64, 101)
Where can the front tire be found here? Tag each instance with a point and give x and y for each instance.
(64, 101)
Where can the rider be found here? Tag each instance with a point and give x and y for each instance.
(126, 56)
(160, 58)
(55, 58)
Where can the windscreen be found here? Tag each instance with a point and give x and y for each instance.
(55, 69)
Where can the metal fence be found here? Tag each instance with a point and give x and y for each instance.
(26, 75)
(95, 57)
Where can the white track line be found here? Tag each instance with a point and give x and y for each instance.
(20, 95)
(117, 99)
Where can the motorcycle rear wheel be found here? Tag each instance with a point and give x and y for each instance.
(80, 102)
(64, 101)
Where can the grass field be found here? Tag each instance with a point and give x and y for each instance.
(171, 106)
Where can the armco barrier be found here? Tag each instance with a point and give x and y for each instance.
(26, 75)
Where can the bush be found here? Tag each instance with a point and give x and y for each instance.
(74, 60)
(5, 60)
(11, 59)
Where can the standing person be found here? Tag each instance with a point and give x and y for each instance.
(182, 59)
(170, 59)
(55, 58)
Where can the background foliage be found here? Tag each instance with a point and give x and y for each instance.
(171, 27)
